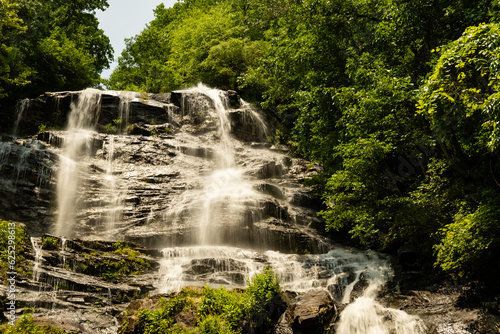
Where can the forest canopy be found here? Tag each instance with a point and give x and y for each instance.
(50, 46)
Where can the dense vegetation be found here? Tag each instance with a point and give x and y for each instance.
(49, 46)
(397, 99)
(26, 324)
(218, 311)
(14, 258)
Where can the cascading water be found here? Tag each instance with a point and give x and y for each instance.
(21, 107)
(81, 120)
(38, 258)
(228, 194)
(111, 187)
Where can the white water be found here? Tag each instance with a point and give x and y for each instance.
(38, 258)
(226, 192)
(113, 192)
(81, 121)
(21, 107)
(225, 151)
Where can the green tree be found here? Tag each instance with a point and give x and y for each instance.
(11, 26)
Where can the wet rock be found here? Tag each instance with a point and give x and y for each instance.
(233, 99)
(270, 170)
(270, 189)
(246, 127)
(307, 200)
(138, 130)
(283, 326)
(311, 312)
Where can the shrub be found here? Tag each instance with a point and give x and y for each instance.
(50, 242)
(220, 311)
(232, 306)
(214, 324)
(26, 324)
(468, 245)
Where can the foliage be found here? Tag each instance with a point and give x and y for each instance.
(26, 324)
(49, 242)
(469, 244)
(219, 310)
(18, 255)
(460, 98)
(227, 305)
(214, 324)
(263, 290)
(49, 46)
(11, 26)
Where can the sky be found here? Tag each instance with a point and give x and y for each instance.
(125, 19)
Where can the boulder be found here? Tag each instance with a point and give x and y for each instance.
(311, 312)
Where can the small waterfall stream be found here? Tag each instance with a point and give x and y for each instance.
(35, 242)
(113, 192)
(21, 107)
(81, 122)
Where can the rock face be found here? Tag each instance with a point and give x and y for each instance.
(311, 312)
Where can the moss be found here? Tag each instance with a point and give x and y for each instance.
(109, 261)
(50, 243)
(15, 249)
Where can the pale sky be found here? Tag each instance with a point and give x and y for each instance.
(125, 19)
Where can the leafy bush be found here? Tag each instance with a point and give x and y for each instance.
(50, 242)
(26, 324)
(231, 306)
(467, 247)
(214, 324)
(220, 311)
(255, 305)
(22, 249)
(263, 289)
(161, 319)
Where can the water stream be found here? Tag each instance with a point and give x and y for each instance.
(35, 242)
(21, 107)
(81, 121)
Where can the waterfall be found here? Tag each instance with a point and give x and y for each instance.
(81, 120)
(218, 108)
(112, 190)
(220, 205)
(226, 191)
(21, 107)
(38, 258)
(228, 194)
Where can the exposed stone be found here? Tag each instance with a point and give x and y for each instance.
(311, 312)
